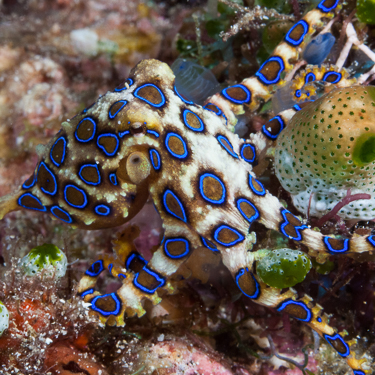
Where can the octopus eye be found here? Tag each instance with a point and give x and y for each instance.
(138, 167)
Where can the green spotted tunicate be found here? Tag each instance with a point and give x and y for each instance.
(273, 33)
(327, 152)
(283, 268)
(48, 258)
(4, 318)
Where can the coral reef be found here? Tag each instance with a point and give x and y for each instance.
(56, 58)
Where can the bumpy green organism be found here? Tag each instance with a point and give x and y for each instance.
(283, 268)
(328, 149)
(4, 318)
(366, 11)
(48, 258)
(273, 33)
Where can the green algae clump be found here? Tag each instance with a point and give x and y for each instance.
(283, 268)
(4, 318)
(48, 258)
(366, 11)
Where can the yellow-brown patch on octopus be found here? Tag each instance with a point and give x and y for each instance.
(237, 93)
(293, 222)
(85, 130)
(297, 32)
(90, 174)
(108, 143)
(227, 236)
(247, 209)
(151, 94)
(248, 284)
(75, 197)
(46, 180)
(29, 201)
(58, 151)
(296, 311)
(176, 247)
(212, 188)
(274, 126)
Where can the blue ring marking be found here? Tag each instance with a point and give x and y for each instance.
(106, 213)
(324, 8)
(257, 291)
(113, 115)
(131, 257)
(294, 42)
(263, 79)
(297, 94)
(53, 208)
(110, 266)
(200, 129)
(135, 93)
(44, 209)
(87, 108)
(185, 154)
(331, 250)
(328, 74)
(333, 338)
(371, 239)
(270, 135)
(291, 302)
(168, 254)
(116, 311)
(24, 186)
(226, 120)
(219, 111)
(209, 245)
(358, 372)
(103, 148)
(184, 219)
(252, 160)
(247, 91)
(121, 275)
(160, 279)
(86, 292)
(53, 177)
(113, 179)
(91, 271)
(249, 219)
(296, 107)
(93, 133)
(230, 150)
(319, 319)
(223, 226)
(180, 96)
(152, 152)
(222, 198)
(153, 132)
(251, 184)
(83, 205)
(88, 182)
(124, 88)
(122, 134)
(64, 151)
(310, 77)
(286, 222)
